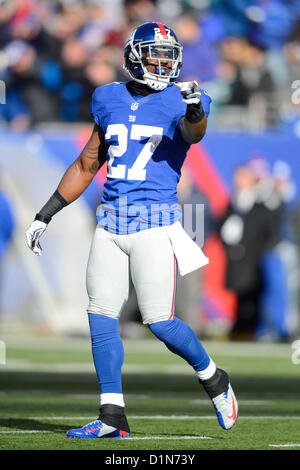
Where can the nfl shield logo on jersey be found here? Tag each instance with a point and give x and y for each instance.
(134, 106)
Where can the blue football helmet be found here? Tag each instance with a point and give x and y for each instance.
(156, 46)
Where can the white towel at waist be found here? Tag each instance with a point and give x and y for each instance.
(188, 254)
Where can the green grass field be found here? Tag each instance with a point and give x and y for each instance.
(48, 385)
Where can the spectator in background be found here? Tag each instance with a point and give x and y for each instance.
(291, 51)
(272, 24)
(252, 76)
(288, 252)
(7, 11)
(247, 232)
(229, 86)
(97, 26)
(67, 20)
(232, 16)
(74, 58)
(29, 98)
(262, 262)
(244, 80)
(275, 301)
(200, 56)
(102, 68)
(135, 12)
(295, 221)
(139, 11)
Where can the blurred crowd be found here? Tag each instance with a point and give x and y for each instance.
(53, 53)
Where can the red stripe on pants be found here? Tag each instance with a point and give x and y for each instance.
(174, 289)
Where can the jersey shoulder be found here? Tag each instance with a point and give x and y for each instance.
(173, 95)
(172, 103)
(105, 91)
(102, 96)
(174, 98)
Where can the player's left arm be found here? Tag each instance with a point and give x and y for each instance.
(194, 123)
(76, 179)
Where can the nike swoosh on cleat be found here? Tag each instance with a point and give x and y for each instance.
(233, 417)
(92, 430)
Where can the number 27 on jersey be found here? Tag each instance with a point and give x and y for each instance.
(138, 169)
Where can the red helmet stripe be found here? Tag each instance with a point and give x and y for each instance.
(162, 30)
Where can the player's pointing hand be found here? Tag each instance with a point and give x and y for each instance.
(34, 234)
(190, 92)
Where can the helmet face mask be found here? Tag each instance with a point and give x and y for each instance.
(153, 55)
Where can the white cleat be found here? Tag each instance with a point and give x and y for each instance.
(223, 398)
(226, 407)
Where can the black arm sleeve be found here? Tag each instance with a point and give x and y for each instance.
(54, 205)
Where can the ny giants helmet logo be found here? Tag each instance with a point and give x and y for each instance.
(159, 33)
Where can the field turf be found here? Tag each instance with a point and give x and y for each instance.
(48, 385)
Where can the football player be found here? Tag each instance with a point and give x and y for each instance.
(143, 128)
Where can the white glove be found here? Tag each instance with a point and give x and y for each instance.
(33, 234)
(190, 92)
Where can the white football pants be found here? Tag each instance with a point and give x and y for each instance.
(145, 260)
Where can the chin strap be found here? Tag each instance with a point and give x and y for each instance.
(157, 85)
(148, 80)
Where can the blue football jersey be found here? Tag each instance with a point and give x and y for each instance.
(145, 154)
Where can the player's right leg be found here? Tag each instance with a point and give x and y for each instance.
(108, 284)
(154, 273)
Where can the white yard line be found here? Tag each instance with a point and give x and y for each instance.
(213, 417)
(284, 445)
(25, 432)
(158, 417)
(169, 438)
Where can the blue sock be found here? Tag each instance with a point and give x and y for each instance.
(108, 352)
(181, 340)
